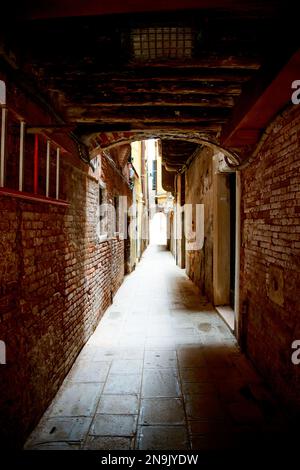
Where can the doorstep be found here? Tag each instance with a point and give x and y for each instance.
(227, 313)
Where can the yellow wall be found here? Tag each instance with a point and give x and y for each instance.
(161, 194)
(137, 244)
(136, 155)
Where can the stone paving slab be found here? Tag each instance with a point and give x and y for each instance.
(162, 371)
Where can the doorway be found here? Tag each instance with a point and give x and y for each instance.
(225, 246)
(232, 217)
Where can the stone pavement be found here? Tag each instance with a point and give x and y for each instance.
(162, 371)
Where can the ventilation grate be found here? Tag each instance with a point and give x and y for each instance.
(163, 43)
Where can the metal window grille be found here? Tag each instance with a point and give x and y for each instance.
(163, 42)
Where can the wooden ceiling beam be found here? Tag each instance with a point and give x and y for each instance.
(63, 8)
(98, 87)
(209, 70)
(262, 100)
(211, 128)
(146, 114)
(155, 100)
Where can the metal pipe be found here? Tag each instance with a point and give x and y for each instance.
(57, 172)
(83, 150)
(113, 164)
(265, 135)
(252, 155)
(36, 164)
(3, 145)
(47, 168)
(21, 155)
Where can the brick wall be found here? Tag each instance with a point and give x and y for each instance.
(116, 186)
(56, 279)
(270, 261)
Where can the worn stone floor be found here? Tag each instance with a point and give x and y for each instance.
(162, 371)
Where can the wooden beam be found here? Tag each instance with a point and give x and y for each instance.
(230, 61)
(151, 99)
(181, 127)
(63, 8)
(260, 103)
(145, 114)
(204, 71)
(109, 90)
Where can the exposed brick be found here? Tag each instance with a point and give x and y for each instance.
(56, 282)
(270, 240)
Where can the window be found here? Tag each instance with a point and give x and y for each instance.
(2, 93)
(29, 163)
(116, 215)
(101, 228)
(154, 175)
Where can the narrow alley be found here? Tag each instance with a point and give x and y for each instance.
(161, 371)
(149, 228)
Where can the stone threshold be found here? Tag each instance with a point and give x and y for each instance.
(227, 314)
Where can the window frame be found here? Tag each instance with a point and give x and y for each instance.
(102, 236)
(53, 153)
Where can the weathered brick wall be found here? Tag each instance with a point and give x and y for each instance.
(56, 279)
(270, 261)
(198, 190)
(116, 186)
